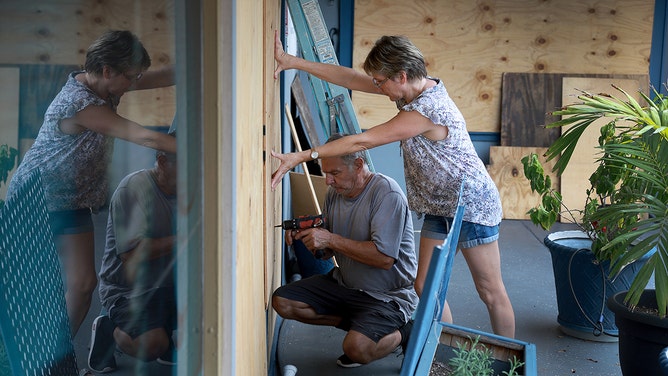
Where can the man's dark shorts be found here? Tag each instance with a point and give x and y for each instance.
(136, 316)
(360, 311)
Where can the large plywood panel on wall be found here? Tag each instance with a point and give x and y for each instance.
(273, 215)
(506, 169)
(254, 260)
(575, 178)
(470, 44)
(59, 33)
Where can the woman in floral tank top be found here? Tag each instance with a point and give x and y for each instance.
(74, 146)
(438, 157)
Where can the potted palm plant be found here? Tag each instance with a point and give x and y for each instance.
(626, 213)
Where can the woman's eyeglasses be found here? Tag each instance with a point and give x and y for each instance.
(132, 76)
(377, 83)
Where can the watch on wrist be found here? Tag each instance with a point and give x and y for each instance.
(314, 154)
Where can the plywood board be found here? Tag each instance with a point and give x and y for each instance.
(507, 171)
(527, 100)
(469, 44)
(9, 113)
(302, 198)
(575, 178)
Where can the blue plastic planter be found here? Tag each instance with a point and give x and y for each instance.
(583, 287)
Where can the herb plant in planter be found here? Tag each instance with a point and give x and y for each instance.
(626, 213)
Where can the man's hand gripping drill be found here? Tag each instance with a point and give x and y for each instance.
(305, 222)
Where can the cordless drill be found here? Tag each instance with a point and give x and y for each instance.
(304, 222)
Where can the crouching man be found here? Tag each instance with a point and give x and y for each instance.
(370, 294)
(137, 273)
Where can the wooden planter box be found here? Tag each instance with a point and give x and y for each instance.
(503, 348)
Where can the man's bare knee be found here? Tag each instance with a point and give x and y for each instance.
(282, 306)
(358, 347)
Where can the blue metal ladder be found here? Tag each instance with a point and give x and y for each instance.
(427, 325)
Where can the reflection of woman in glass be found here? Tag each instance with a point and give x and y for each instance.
(74, 147)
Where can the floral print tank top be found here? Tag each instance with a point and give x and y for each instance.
(434, 170)
(73, 166)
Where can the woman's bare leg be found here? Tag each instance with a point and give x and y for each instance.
(484, 262)
(77, 255)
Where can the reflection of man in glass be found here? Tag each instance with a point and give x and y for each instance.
(137, 274)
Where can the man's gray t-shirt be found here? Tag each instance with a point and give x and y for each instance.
(138, 210)
(380, 214)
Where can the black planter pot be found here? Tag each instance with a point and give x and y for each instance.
(642, 336)
(582, 287)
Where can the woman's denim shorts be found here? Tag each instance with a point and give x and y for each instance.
(471, 235)
(68, 222)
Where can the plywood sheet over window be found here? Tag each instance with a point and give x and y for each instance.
(470, 44)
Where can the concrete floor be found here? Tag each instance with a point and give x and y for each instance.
(527, 272)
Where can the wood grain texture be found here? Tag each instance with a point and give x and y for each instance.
(273, 200)
(302, 197)
(507, 171)
(575, 178)
(59, 33)
(528, 99)
(470, 44)
(253, 256)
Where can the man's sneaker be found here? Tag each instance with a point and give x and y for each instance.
(405, 332)
(345, 362)
(169, 357)
(102, 346)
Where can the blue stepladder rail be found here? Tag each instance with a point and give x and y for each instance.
(429, 310)
(427, 327)
(335, 107)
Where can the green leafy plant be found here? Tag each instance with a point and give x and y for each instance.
(515, 364)
(476, 361)
(626, 210)
(8, 158)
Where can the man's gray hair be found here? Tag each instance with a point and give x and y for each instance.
(350, 158)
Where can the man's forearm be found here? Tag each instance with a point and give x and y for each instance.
(150, 249)
(365, 252)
